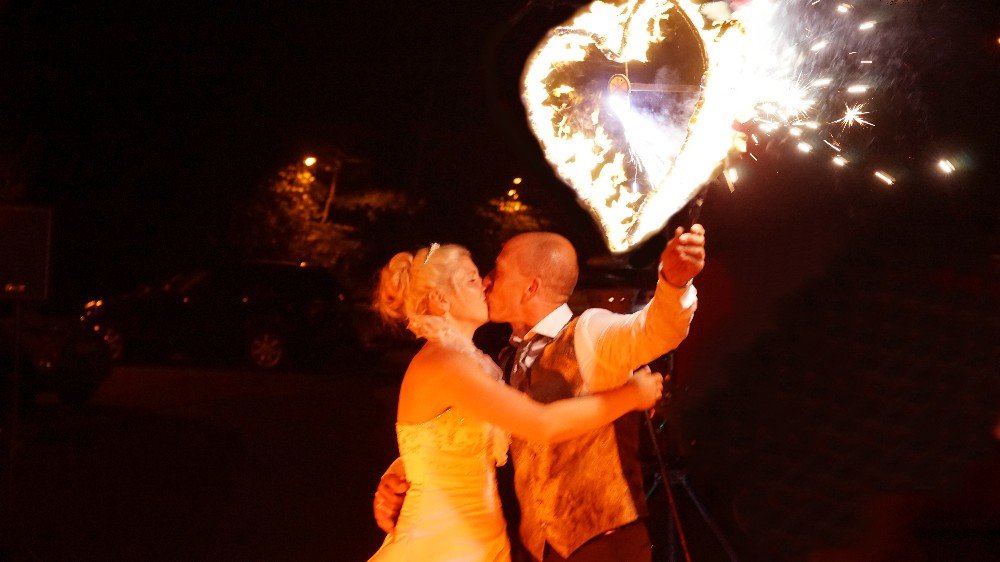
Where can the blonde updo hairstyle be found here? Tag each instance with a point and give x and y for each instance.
(406, 282)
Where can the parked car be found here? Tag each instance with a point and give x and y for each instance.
(56, 354)
(271, 313)
(611, 283)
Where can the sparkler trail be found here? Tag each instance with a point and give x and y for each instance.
(635, 153)
(852, 116)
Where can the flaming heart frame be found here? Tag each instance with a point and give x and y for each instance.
(631, 207)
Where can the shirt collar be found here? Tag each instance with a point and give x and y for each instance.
(550, 326)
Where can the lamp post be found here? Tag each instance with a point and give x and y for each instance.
(335, 167)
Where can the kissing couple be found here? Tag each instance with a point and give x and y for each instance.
(566, 414)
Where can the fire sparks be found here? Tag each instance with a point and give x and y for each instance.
(889, 180)
(946, 166)
(635, 155)
(852, 116)
(637, 139)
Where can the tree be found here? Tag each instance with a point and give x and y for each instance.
(285, 221)
(508, 215)
(302, 215)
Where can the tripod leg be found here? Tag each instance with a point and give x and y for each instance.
(708, 519)
(665, 478)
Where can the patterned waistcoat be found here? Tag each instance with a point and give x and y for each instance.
(575, 490)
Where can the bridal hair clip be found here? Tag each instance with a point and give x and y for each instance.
(434, 246)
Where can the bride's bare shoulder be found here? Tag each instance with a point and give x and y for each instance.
(438, 359)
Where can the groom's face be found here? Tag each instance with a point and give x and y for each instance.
(504, 287)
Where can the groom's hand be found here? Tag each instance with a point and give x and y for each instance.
(389, 500)
(684, 256)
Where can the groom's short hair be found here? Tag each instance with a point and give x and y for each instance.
(551, 258)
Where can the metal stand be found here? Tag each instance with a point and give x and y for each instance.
(668, 478)
(664, 476)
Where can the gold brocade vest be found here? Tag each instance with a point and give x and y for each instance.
(573, 491)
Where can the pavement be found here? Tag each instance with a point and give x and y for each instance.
(191, 463)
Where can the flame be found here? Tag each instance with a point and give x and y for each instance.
(634, 166)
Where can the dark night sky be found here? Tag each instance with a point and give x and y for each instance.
(143, 124)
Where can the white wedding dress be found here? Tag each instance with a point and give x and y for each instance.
(451, 511)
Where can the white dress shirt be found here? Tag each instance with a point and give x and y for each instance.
(610, 346)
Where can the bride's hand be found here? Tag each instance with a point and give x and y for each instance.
(648, 387)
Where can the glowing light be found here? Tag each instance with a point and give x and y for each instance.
(733, 175)
(840, 160)
(517, 181)
(853, 117)
(309, 161)
(946, 166)
(889, 180)
(866, 26)
(632, 165)
(832, 145)
(768, 127)
(635, 159)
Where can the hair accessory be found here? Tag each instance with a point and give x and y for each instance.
(434, 246)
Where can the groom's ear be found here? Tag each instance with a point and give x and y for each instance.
(532, 289)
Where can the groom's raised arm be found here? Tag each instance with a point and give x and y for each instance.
(610, 346)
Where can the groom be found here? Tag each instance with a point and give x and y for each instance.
(581, 499)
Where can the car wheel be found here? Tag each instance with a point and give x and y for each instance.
(267, 349)
(115, 340)
(84, 365)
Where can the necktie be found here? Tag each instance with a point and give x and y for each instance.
(524, 356)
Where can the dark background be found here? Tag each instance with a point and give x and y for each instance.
(841, 375)
(146, 125)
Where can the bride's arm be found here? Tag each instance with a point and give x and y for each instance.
(461, 383)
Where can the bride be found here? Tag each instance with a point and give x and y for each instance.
(455, 412)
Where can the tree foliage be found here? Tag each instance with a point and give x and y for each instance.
(301, 217)
(506, 216)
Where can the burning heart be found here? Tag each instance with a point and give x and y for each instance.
(636, 153)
